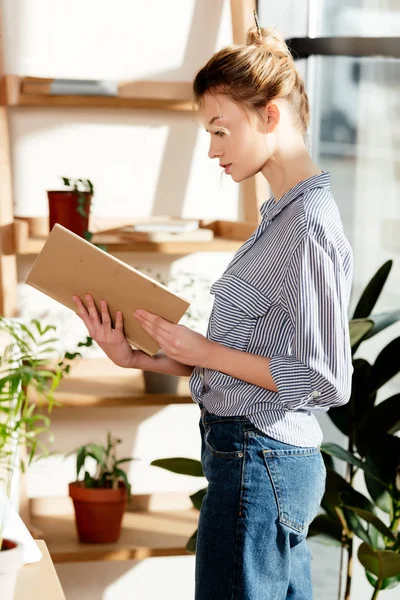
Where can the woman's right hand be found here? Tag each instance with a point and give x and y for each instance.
(112, 341)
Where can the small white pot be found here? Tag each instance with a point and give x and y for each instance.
(10, 562)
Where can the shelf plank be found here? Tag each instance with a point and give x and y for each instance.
(33, 246)
(100, 383)
(144, 534)
(102, 102)
(150, 95)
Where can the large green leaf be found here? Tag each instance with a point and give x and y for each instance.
(372, 292)
(356, 526)
(359, 330)
(183, 466)
(379, 494)
(339, 415)
(373, 520)
(339, 492)
(387, 584)
(382, 563)
(383, 459)
(382, 321)
(197, 498)
(387, 365)
(327, 529)
(342, 454)
(383, 418)
(362, 396)
(191, 544)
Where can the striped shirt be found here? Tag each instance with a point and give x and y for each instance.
(285, 295)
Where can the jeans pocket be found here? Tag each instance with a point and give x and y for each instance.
(224, 439)
(298, 477)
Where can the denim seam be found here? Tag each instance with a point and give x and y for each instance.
(238, 523)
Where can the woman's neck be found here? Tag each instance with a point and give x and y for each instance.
(285, 169)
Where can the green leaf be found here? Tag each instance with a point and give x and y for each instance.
(373, 520)
(372, 292)
(327, 529)
(359, 330)
(121, 475)
(381, 563)
(387, 583)
(66, 181)
(339, 415)
(356, 526)
(342, 454)
(387, 364)
(191, 544)
(183, 466)
(383, 418)
(80, 460)
(197, 498)
(382, 321)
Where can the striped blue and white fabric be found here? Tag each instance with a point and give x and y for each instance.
(285, 295)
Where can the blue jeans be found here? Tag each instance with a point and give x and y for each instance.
(262, 495)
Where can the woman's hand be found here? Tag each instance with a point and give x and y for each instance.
(112, 341)
(177, 341)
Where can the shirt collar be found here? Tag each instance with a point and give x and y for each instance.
(270, 208)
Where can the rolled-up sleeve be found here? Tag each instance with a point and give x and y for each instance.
(317, 370)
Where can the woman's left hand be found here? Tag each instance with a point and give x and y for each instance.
(177, 341)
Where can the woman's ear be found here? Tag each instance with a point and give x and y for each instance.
(271, 116)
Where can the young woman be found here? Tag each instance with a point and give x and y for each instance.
(277, 347)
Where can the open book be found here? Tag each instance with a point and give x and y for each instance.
(69, 265)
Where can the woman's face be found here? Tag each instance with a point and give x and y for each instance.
(237, 138)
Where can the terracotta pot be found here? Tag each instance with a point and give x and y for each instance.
(63, 209)
(11, 559)
(98, 512)
(160, 383)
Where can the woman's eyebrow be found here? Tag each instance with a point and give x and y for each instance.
(214, 119)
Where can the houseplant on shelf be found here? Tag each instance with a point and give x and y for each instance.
(196, 289)
(71, 207)
(27, 362)
(100, 500)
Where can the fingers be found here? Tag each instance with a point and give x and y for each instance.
(81, 309)
(119, 322)
(92, 310)
(90, 316)
(105, 315)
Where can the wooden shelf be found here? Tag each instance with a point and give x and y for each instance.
(114, 244)
(144, 534)
(228, 237)
(99, 382)
(152, 95)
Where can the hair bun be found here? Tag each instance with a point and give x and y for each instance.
(270, 40)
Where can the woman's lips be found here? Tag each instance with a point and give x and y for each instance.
(226, 168)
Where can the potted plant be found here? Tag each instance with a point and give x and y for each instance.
(100, 500)
(71, 207)
(196, 289)
(26, 362)
(373, 448)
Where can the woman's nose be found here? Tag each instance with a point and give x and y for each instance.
(214, 151)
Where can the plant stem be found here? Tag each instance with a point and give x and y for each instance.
(377, 588)
(349, 479)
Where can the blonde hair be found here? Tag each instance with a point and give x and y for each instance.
(251, 74)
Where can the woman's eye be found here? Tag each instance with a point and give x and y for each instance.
(220, 133)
